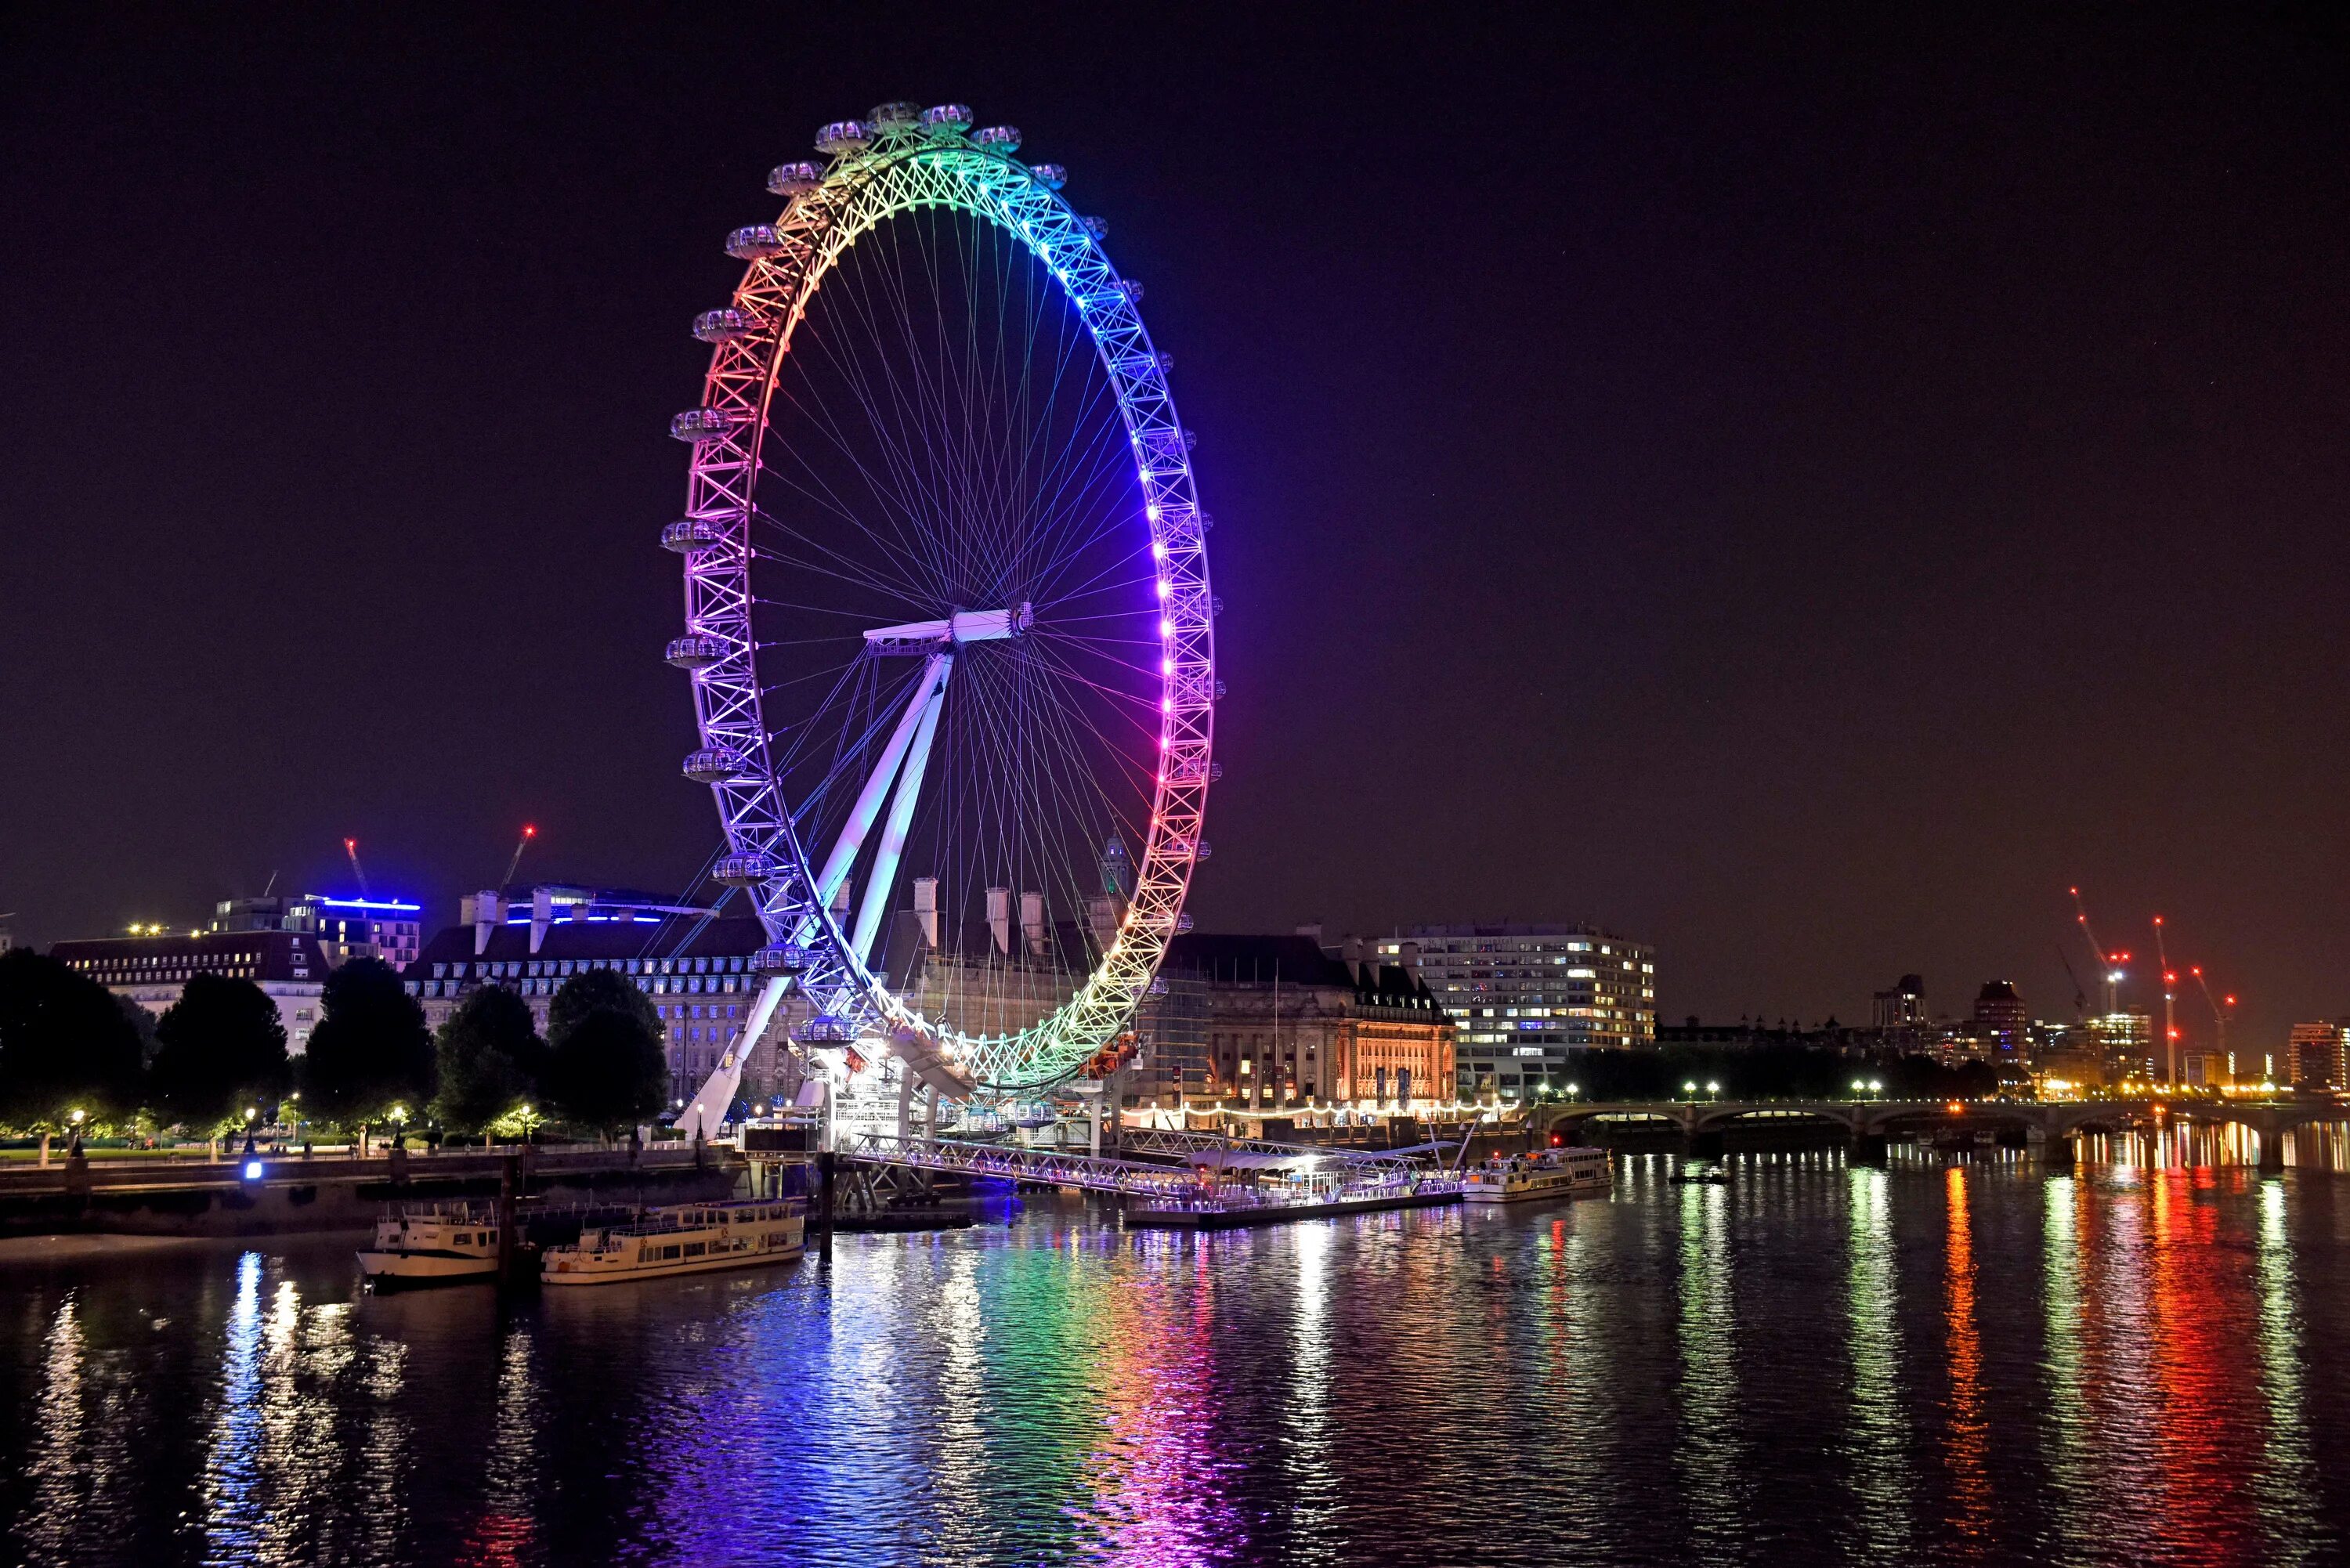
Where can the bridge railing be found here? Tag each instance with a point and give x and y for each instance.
(1178, 1186)
(1185, 1143)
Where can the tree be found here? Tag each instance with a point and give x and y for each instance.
(66, 1045)
(606, 1068)
(370, 1051)
(219, 1049)
(491, 1058)
(592, 990)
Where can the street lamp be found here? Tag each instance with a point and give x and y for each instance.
(1688, 1088)
(1874, 1086)
(1713, 1088)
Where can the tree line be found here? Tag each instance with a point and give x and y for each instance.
(68, 1045)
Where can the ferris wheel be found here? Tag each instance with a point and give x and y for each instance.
(947, 615)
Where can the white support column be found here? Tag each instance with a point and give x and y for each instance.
(880, 884)
(869, 800)
(708, 1106)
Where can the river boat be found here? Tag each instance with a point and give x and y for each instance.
(692, 1239)
(1700, 1178)
(432, 1244)
(1552, 1173)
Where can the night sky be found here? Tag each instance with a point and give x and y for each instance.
(1799, 492)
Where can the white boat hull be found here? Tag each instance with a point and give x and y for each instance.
(662, 1269)
(1528, 1194)
(692, 1239)
(424, 1269)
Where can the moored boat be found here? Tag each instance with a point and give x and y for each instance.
(432, 1244)
(690, 1239)
(1551, 1173)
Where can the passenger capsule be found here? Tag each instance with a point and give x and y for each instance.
(712, 764)
(701, 424)
(842, 137)
(895, 118)
(688, 534)
(947, 120)
(1003, 139)
(782, 958)
(754, 241)
(1050, 176)
(1131, 289)
(722, 325)
(1097, 227)
(1183, 924)
(743, 870)
(791, 179)
(695, 651)
(825, 1029)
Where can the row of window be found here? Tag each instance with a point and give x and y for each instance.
(520, 969)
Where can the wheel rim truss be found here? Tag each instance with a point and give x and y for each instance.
(895, 172)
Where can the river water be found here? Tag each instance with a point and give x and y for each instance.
(1963, 1362)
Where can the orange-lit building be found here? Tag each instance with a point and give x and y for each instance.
(1289, 1026)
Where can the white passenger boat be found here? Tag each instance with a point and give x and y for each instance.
(432, 1244)
(1551, 1173)
(689, 1239)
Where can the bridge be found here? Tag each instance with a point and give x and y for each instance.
(1869, 1121)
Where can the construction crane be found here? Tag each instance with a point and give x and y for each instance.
(2080, 997)
(2170, 1011)
(351, 848)
(2219, 1018)
(2108, 963)
(528, 832)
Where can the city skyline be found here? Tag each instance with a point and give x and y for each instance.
(1835, 549)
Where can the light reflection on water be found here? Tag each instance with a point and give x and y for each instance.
(1968, 1362)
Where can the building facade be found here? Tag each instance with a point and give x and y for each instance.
(2317, 1055)
(1289, 1027)
(1525, 999)
(2002, 1024)
(289, 967)
(391, 929)
(692, 964)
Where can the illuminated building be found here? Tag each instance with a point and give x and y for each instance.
(1526, 998)
(2125, 1042)
(1288, 1024)
(2318, 1055)
(387, 929)
(290, 968)
(690, 963)
(2001, 1024)
(1898, 1017)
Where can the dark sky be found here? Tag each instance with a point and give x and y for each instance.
(1800, 492)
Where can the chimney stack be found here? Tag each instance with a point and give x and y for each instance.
(998, 918)
(926, 909)
(1031, 922)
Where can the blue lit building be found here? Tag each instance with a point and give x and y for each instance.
(345, 927)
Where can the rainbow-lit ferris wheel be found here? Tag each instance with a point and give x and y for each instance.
(947, 615)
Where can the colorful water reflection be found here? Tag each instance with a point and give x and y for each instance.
(1930, 1361)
